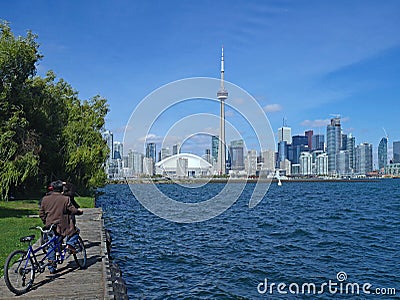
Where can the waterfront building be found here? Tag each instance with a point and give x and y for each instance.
(393, 169)
(165, 152)
(382, 153)
(309, 135)
(151, 151)
(236, 151)
(351, 147)
(396, 152)
(148, 166)
(286, 166)
(318, 142)
(214, 147)
(222, 95)
(343, 162)
(184, 165)
(109, 138)
(343, 144)
(285, 135)
(296, 170)
(299, 144)
(321, 164)
(334, 137)
(282, 151)
(118, 150)
(305, 161)
(268, 160)
(251, 163)
(176, 149)
(364, 158)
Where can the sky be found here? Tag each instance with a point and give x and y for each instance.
(302, 61)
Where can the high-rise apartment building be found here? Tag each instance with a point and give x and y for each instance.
(382, 153)
(334, 138)
(343, 162)
(396, 152)
(268, 160)
(321, 165)
(151, 151)
(251, 163)
(343, 143)
(364, 158)
(214, 147)
(351, 148)
(118, 150)
(236, 150)
(305, 161)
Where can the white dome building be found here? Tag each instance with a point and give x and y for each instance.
(184, 165)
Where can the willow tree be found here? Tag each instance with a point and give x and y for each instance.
(46, 131)
(19, 145)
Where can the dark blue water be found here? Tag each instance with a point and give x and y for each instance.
(299, 233)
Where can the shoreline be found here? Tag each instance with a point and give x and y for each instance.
(240, 180)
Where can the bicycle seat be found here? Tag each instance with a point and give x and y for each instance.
(27, 238)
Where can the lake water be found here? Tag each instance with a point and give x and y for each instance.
(299, 233)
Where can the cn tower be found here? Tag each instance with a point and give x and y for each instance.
(222, 95)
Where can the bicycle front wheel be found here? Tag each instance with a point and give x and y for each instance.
(80, 255)
(19, 272)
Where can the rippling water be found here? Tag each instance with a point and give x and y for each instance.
(299, 233)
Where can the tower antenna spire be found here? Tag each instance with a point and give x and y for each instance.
(222, 95)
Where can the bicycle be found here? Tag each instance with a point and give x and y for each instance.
(22, 265)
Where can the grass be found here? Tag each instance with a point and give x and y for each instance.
(15, 223)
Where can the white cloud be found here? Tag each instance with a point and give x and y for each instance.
(272, 107)
(315, 123)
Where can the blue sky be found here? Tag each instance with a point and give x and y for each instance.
(301, 60)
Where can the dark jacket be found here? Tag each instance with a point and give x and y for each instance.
(57, 208)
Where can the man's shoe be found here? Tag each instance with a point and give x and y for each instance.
(71, 249)
(53, 271)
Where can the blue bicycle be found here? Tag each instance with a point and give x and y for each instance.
(21, 266)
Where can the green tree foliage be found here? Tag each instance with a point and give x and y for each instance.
(46, 131)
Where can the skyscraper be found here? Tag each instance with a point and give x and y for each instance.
(118, 150)
(299, 144)
(343, 144)
(285, 134)
(109, 138)
(214, 147)
(318, 142)
(396, 152)
(334, 137)
(151, 151)
(309, 135)
(222, 95)
(343, 162)
(236, 151)
(363, 158)
(351, 147)
(382, 153)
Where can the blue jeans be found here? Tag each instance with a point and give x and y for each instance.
(72, 240)
(52, 255)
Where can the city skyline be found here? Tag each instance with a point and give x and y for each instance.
(301, 61)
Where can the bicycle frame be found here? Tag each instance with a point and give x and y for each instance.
(58, 242)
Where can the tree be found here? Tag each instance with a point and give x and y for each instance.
(46, 131)
(18, 145)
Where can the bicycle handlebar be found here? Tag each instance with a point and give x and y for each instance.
(44, 231)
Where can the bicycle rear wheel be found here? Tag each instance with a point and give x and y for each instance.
(19, 272)
(80, 255)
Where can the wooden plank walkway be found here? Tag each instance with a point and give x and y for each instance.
(70, 282)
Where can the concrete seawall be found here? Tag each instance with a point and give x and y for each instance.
(97, 281)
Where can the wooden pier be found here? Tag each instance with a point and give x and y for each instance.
(70, 282)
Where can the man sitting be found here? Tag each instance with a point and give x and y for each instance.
(57, 208)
